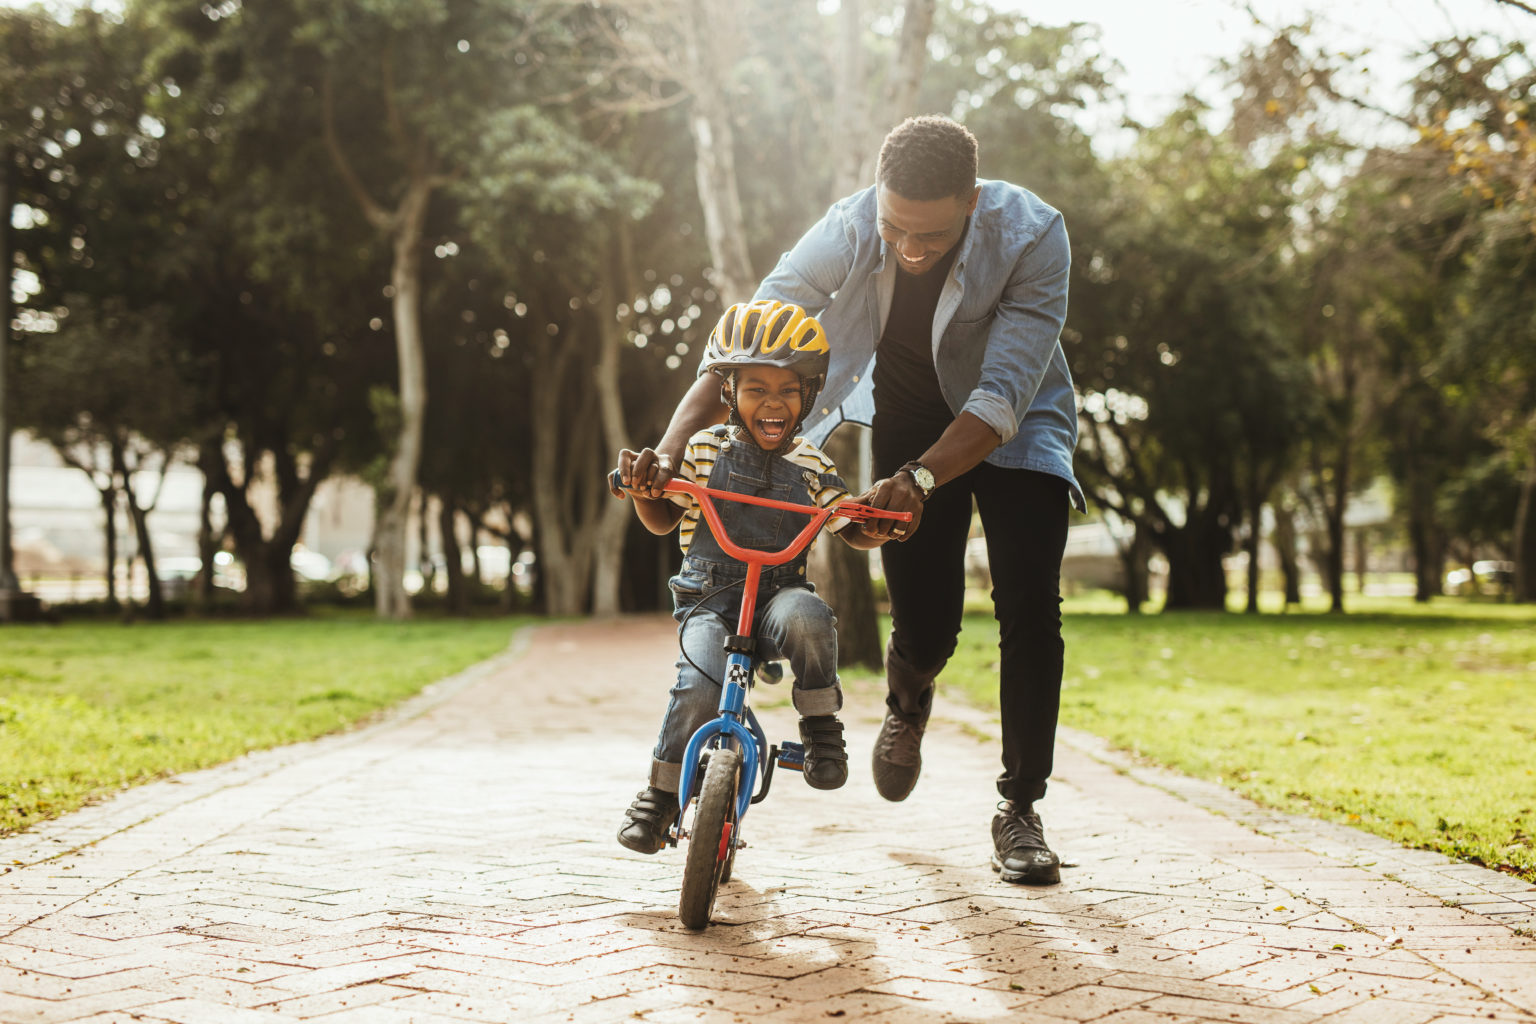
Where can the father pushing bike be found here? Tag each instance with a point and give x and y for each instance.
(945, 296)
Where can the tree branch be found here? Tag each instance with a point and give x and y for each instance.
(376, 214)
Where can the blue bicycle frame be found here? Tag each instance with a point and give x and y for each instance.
(736, 724)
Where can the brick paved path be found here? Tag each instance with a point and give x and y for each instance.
(456, 862)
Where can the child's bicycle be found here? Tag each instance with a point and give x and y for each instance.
(727, 757)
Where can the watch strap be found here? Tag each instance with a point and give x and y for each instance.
(918, 472)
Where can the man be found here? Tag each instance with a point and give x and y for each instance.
(945, 296)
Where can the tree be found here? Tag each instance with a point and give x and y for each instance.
(1184, 371)
(1473, 102)
(90, 158)
(864, 108)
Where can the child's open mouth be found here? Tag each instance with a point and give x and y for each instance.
(772, 430)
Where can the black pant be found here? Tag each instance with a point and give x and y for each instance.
(1024, 515)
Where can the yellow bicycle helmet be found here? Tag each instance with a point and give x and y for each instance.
(769, 333)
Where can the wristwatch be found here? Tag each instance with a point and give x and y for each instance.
(922, 476)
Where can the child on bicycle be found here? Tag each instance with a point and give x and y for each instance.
(772, 358)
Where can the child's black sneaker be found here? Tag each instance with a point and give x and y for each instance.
(648, 819)
(826, 759)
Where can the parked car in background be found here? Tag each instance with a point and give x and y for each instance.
(1482, 577)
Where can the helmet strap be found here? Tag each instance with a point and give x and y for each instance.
(728, 396)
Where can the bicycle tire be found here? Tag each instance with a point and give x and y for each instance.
(730, 858)
(716, 812)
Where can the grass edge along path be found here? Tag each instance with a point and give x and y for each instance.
(1418, 725)
(90, 708)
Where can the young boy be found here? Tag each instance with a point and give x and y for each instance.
(772, 358)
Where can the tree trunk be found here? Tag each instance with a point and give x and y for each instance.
(269, 583)
(1525, 535)
(109, 512)
(1335, 553)
(1196, 579)
(390, 598)
(477, 569)
(9, 585)
(269, 575)
(1333, 492)
(911, 58)
(1134, 586)
(564, 564)
(140, 518)
(1251, 547)
(852, 137)
(207, 546)
(425, 566)
(1284, 542)
(714, 150)
(613, 516)
(453, 557)
(841, 572)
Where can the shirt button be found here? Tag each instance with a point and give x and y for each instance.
(855, 378)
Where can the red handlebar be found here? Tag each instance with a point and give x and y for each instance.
(706, 496)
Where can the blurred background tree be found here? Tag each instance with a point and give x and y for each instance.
(464, 252)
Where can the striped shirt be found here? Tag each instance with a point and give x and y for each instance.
(704, 450)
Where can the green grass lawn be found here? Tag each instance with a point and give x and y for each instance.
(87, 708)
(1418, 724)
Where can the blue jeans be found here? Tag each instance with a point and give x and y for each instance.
(794, 624)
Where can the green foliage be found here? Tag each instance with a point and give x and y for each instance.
(88, 709)
(1256, 309)
(1417, 727)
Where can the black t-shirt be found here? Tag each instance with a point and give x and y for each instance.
(906, 383)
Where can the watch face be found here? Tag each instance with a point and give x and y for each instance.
(924, 478)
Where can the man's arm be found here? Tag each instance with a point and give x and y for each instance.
(961, 448)
(701, 407)
(1025, 332)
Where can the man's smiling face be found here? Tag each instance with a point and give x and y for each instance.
(768, 400)
(921, 231)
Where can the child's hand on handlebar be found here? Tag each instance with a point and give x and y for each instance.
(644, 473)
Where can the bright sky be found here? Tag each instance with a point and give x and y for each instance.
(1169, 46)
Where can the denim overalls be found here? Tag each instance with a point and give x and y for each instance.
(791, 621)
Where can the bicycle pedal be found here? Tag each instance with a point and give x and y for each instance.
(792, 756)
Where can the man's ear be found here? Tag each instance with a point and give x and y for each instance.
(971, 206)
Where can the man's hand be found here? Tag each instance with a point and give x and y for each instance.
(898, 493)
(645, 472)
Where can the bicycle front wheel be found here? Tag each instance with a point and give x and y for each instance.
(712, 838)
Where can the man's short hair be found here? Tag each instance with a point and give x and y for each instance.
(928, 157)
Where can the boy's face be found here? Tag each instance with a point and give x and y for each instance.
(768, 401)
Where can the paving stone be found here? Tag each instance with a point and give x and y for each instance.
(455, 861)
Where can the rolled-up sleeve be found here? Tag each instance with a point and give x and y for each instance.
(816, 267)
(1024, 333)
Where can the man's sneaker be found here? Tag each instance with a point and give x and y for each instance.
(648, 819)
(898, 756)
(826, 759)
(1019, 853)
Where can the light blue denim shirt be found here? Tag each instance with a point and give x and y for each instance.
(996, 331)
